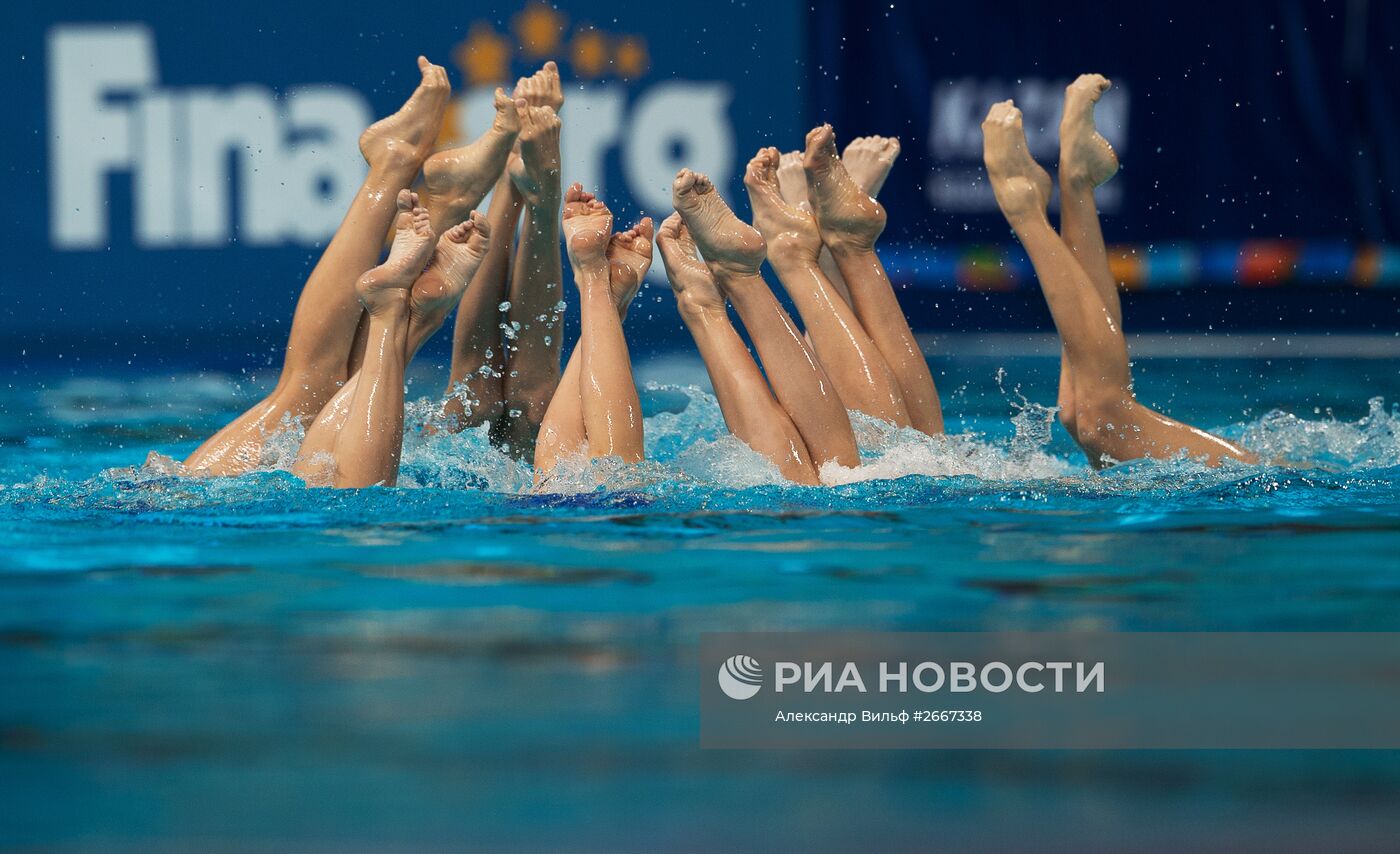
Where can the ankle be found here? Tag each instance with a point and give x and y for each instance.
(785, 258)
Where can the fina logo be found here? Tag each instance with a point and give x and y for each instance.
(740, 677)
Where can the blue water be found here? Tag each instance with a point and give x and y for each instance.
(247, 664)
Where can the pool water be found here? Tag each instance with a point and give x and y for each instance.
(245, 663)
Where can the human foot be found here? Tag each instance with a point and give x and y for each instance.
(459, 253)
(690, 279)
(725, 240)
(542, 89)
(587, 225)
(1086, 158)
(846, 214)
(790, 232)
(869, 159)
(536, 172)
(629, 258)
(792, 179)
(458, 179)
(405, 139)
(386, 287)
(1021, 187)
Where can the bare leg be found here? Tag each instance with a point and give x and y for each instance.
(612, 412)
(862, 379)
(532, 372)
(868, 159)
(1112, 425)
(1086, 161)
(458, 254)
(750, 411)
(563, 432)
(734, 252)
(850, 222)
(474, 391)
(367, 448)
(327, 313)
(455, 181)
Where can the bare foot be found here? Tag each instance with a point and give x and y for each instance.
(694, 287)
(792, 179)
(1086, 158)
(869, 159)
(536, 172)
(455, 181)
(542, 89)
(459, 253)
(725, 240)
(587, 227)
(386, 287)
(847, 216)
(790, 232)
(405, 139)
(1022, 188)
(629, 258)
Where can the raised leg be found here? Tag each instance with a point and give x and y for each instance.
(863, 380)
(474, 390)
(868, 159)
(458, 254)
(563, 432)
(367, 448)
(750, 411)
(850, 221)
(612, 411)
(455, 181)
(1086, 161)
(323, 327)
(535, 316)
(734, 252)
(1111, 424)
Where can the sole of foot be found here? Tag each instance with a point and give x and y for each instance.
(629, 258)
(869, 160)
(463, 176)
(789, 231)
(587, 225)
(690, 279)
(846, 214)
(460, 251)
(726, 241)
(387, 286)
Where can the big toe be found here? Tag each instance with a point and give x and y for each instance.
(683, 184)
(821, 147)
(1092, 85)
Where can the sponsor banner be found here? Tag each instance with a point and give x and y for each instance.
(1233, 122)
(179, 167)
(1253, 690)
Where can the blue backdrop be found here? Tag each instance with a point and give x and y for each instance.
(174, 168)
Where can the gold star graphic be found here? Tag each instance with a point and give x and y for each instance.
(540, 29)
(590, 53)
(484, 56)
(632, 57)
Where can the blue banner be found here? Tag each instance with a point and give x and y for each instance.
(176, 172)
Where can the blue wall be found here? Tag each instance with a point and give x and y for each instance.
(173, 170)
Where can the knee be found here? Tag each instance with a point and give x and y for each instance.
(1069, 416)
